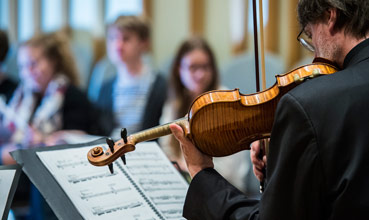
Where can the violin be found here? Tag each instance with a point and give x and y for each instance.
(219, 122)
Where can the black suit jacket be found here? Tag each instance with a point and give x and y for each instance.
(318, 160)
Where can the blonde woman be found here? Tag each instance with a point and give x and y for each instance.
(47, 99)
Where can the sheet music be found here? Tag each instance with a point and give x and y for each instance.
(158, 178)
(95, 192)
(6, 180)
(148, 187)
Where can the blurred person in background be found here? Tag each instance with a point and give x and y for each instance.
(135, 97)
(47, 102)
(7, 86)
(194, 71)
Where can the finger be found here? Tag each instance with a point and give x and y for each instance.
(255, 150)
(179, 135)
(177, 131)
(259, 166)
(253, 157)
(265, 159)
(259, 175)
(256, 161)
(255, 147)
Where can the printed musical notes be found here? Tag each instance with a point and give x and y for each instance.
(158, 178)
(113, 189)
(101, 210)
(95, 192)
(73, 178)
(147, 188)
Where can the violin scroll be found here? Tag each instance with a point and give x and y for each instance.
(96, 156)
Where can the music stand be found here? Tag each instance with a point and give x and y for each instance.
(9, 176)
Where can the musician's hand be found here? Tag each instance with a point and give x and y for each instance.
(258, 165)
(195, 160)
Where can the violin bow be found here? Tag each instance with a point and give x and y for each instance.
(256, 46)
(262, 56)
(257, 74)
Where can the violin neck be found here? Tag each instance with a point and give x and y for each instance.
(156, 132)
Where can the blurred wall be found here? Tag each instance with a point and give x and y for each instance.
(170, 25)
(172, 21)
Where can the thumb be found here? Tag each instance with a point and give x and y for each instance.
(177, 131)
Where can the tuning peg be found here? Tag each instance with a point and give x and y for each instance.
(111, 168)
(110, 143)
(123, 159)
(123, 135)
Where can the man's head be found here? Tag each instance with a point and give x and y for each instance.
(127, 38)
(335, 26)
(352, 15)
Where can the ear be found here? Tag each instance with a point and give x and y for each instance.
(332, 19)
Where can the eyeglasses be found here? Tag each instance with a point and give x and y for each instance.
(305, 40)
(194, 67)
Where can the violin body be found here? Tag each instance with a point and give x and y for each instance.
(220, 122)
(223, 122)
